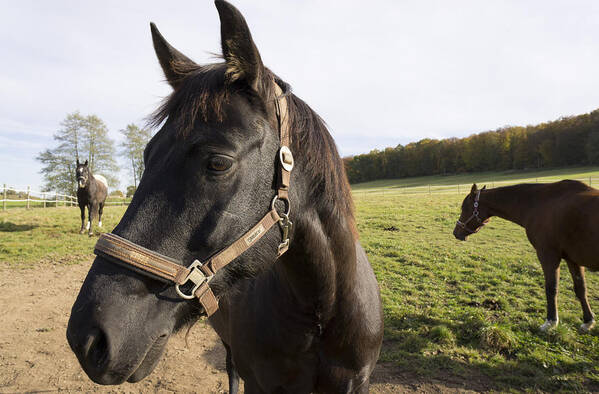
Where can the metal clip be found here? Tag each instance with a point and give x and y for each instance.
(285, 225)
(197, 277)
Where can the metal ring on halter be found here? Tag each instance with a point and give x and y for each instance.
(287, 205)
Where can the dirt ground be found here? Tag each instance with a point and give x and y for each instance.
(35, 357)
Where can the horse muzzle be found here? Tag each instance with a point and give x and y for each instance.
(117, 329)
(459, 234)
(102, 362)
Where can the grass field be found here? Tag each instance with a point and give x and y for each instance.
(50, 234)
(583, 173)
(453, 310)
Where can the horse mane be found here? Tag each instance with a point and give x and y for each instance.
(204, 93)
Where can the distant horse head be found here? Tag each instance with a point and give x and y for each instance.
(82, 174)
(210, 175)
(474, 215)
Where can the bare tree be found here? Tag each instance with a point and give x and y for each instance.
(79, 138)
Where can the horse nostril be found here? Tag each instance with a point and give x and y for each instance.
(96, 349)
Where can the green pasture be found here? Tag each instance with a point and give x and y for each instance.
(464, 311)
(488, 178)
(51, 234)
(471, 309)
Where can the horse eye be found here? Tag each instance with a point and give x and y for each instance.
(219, 163)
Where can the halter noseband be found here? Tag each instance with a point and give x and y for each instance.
(155, 265)
(473, 216)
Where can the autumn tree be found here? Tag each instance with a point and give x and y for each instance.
(566, 141)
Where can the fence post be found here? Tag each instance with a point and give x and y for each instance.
(458, 188)
(4, 201)
(44, 198)
(28, 192)
(56, 200)
(429, 189)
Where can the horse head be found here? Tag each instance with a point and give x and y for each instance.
(473, 216)
(210, 175)
(82, 174)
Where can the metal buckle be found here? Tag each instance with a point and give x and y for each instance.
(197, 277)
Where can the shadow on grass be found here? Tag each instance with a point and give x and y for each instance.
(9, 227)
(413, 356)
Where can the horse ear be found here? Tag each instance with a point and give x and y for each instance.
(484, 187)
(175, 65)
(240, 53)
(474, 188)
(85, 163)
(77, 162)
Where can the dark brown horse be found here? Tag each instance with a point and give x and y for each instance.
(91, 193)
(307, 321)
(561, 221)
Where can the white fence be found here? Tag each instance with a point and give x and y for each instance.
(25, 196)
(457, 188)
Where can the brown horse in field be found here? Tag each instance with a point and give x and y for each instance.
(561, 221)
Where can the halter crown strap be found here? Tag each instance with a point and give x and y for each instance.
(161, 267)
(285, 156)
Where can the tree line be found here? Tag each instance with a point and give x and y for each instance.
(82, 138)
(565, 142)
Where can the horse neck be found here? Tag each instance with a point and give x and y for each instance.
(513, 203)
(320, 266)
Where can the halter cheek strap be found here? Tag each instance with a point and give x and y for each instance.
(198, 275)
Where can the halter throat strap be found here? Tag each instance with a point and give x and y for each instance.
(198, 275)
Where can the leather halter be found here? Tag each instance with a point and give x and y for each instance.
(473, 216)
(155, 265)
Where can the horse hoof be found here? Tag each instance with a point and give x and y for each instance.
(81, 231)
(586, 327)
(548, 325)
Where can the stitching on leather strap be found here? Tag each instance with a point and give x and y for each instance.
(130, 253)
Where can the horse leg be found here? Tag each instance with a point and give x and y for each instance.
(231, 372)
(550, 263)
(363, 388)
(580, 288)
(82, 207)
(100, 211)
(92, 209)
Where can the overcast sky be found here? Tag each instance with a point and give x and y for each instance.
(380, 73)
